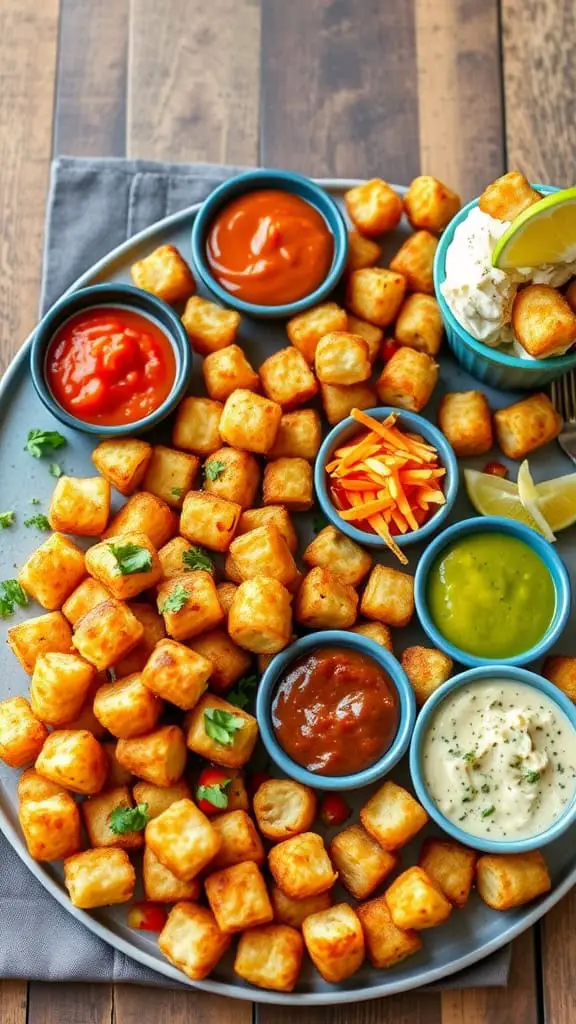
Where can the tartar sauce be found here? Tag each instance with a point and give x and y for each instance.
(499, 760)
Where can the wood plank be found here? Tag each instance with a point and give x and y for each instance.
(69, 1004)
(339, 88)
(540, 88)
(459, 92)
(90, 111)
(193, 80)
(410, 1008)
(13, 998)
(518, 1002)
(134, 1004)
(558, 950)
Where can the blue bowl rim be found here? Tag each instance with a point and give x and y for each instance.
(415, 423)
(561, 363)
(520, 675)
(407, 706)
(290, 181)
(101, 295)
(494, 524)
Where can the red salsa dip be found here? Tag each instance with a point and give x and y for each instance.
(110, 366)
(335, 711)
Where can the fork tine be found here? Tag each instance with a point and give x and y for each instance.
(572, 377)
(568, 407)
(556, 396)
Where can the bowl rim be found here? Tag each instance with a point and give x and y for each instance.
(538, 544)
(415, 422)
(407, 710)
(290, 181)
(508, 672)
(113, 295)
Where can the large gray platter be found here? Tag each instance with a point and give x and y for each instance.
(470, 934)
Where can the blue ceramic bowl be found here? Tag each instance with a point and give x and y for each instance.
(494, 524)
(516, 675)
(335, 638)
(119, 296)
(346, 430)
(496, 368)
(287, 181)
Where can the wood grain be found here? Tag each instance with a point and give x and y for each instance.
(136, 1005)
(69, 1004)
(459, 92)
(193, 80)
(540, 88)
(410, 1008)
(518, 1002)
(558, 949)
(13, 998)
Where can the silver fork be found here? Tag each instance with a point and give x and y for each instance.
(564, 398)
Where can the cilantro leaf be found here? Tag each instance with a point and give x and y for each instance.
(11, 594)
(40, 442)
(55, 470)
(7, 519)
(319, 521)
(242, 692)
(131, 558)
(129, 819)
(214, 470)
(221, 725)
(177, 492)
(40, 521)
(532, 777)
(176, 600)
(215, 794)
(197, 558)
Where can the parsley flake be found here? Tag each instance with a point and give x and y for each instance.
(55, 470)
(40, 442)
(176, 600)
(488, 811)
(176, 492)
(215, 794)
(221, 725)
(11, 594)
(243, 691)
(129, 819)
(7, 519)
(213, 470)
(197, 558)
(532, 777)
(131, 558)
(39, 521)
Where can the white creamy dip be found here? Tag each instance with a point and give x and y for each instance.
(479, 295)
(499, 759)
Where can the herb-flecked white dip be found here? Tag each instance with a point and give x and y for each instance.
(499, 759)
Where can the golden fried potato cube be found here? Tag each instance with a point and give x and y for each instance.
(250, 422)
(284, 808)
(325, 602)
(274, 515)
(301, 866)
(59, 687)
(543, 321)
(53, 571)
(306, 329)
(508, 196)
(233, 475)
(209, 520)
(165, 274)
(342, 358)
(240, 840)
(427, 668)
(117, 775)
(386, 945)
(238, 897)
(177, 674)
(162, 885)
(510, 880)
(106, 633)
(105, 562)
(373, 207)
(99, 878)
(362, 252)
(80, 505)
(51, 827)
(392, 816)
(127, 708)
(377, 632)
(294, 912)
(159, 757)
(172, 557)
(270, 956)
(189, 604)
(415, 261)
(227, 661)
(29, 639)
(414, 901)
(361, 862)
(419, 324)
(73, 759)
(561, 670)
(123, 461)
(183, 839)
(170, 474)
(220, 732)
(32, 786)
(371, 334)
(159, 798)
(260, 617)
(144, 513)
(376, 294)
(22, 736)
(86, 719)
(289, 482)
(263, 552)
(209, 327)
(407, 380)
(335, 942)
(429, 204)
(87, 595)
(338, 401)
(451, 867)
(226, 370)
(231, 570)
(526, 425)
(332, 550)
(197, 426)
(154, 632)
(96, 813)
(238, 799)
(192, 940)
(570, 294)
(299, 435)
(465, 420)
(287, 378)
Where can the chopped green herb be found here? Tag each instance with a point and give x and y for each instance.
(129, 819)
(39, 521)
(11, 594)
(221, 725)
(485, 787)
(560, 768)
(35, 501)
(7, 519)
(242, 692)
(215, 795)
(319, 521)
(488, 811)
(55, 470)
(470, 757)
(177, 492)
(532, 777)
(516, 762)
(176, 600)
(40, 442)
(131, 558)
(197, 558)
(214, 470)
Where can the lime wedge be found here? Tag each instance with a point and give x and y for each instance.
(557, 501)
(528, 494)
(544, 233)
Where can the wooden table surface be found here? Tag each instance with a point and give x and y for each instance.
(457, 88)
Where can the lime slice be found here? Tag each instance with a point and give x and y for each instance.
(544, 233)
(529, 498)
(557, 501)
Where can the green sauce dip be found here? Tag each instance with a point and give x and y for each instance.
(490, 595)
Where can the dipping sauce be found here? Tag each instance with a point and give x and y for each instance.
(499, 759)
(335, 711)
(269, 247)
(110, 366)
(490, 595)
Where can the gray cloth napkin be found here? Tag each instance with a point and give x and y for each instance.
(95, 205)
